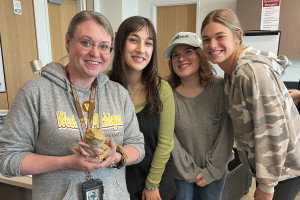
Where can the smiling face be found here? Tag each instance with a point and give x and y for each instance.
(138, 50)
(220, 45)
(84, 64)
(187, 66)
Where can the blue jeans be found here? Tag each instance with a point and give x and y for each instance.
(191, 191)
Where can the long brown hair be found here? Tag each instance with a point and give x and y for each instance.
(150, 73)
(206, 72)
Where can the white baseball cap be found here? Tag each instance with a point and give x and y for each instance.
(188, 38)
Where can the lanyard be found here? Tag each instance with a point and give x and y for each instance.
(77, 104)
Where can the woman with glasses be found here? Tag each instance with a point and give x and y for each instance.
(44, 129)
(203, 138)
(135, 67)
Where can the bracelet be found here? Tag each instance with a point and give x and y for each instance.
(123, 160)
(151, 188)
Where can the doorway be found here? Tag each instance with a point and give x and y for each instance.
(59, 19)
(170, 20)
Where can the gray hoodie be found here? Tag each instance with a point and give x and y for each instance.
(265, 120)
(43, 120)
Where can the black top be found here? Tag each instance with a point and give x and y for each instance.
(136, 174)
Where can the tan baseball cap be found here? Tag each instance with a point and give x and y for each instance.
(188, 38)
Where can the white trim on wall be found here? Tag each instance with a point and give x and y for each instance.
(97, 5)
(80, 5)
(176, 3)
(42, 31)
(42, 28)
(2, 80)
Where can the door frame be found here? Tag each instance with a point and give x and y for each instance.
(177, 3)
(42, 28)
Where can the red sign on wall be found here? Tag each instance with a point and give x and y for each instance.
(270, 15)
(270, 3)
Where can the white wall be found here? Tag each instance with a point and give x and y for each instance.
(292, 73)
(145, 7)
(208, 5)
(130, 8)
(112, 9)
(42, 31)
(118, 10)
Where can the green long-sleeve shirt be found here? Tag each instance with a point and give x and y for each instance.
(165, 142)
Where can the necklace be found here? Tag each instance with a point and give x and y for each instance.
(133, 95)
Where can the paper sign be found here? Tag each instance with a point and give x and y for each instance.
(270, 15)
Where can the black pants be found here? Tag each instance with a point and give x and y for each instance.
(287, 190)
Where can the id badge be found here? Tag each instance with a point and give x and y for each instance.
(92, 190)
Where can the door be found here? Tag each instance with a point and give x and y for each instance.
(170, 20)
(59, 19)
(19, 47)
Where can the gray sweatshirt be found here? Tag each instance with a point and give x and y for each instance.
(43, 120)
(203, 138)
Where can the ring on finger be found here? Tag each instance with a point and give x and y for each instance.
(87, 155)
(96, 160)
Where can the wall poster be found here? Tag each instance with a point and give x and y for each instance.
(270, 15)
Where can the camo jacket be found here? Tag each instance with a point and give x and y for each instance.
(265, 120)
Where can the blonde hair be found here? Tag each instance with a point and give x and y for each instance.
(227, 18)
(87, 15)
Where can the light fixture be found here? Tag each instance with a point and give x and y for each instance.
(36, 66)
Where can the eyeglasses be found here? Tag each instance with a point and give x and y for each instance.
(187, 53)
(88, 45)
